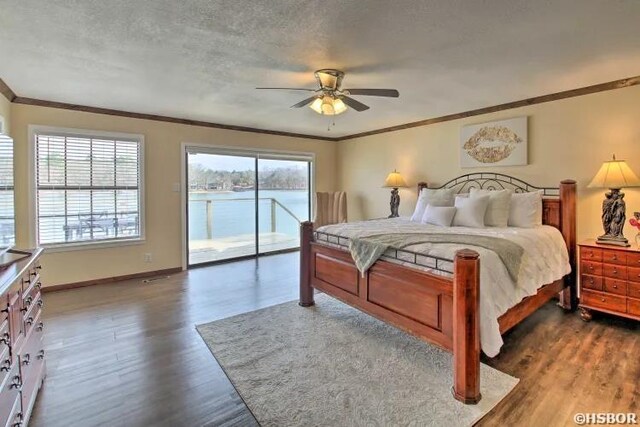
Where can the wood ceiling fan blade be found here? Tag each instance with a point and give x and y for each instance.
(286, 88)
(391, 93)
(304, 102)
(356, 105)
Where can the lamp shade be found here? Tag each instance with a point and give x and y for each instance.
(615, 174)
(394, 180)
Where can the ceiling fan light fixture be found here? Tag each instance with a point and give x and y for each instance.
(328, 105)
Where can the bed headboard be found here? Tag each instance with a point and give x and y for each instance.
(558, 203)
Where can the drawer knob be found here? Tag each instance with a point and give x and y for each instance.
(602, 299)
(26, 359)
(28, 300)
(40, 303)
(5, 338)
(615, 257)
(15, 383)
(41, 354)
(6, 365)
(40, 327)
(591, 281)
(29, 321)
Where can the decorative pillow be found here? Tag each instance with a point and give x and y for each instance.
(428, 196)
(470, 211)
(438, 215)
(498, 210)
(526, 209)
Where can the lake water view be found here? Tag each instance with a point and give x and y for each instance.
(234, 212)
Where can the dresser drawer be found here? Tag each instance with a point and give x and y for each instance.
(633, 306)
(10, 403)
(633, 290)
(591, 254)
(614, 257)
(591, 282)
(591, 267)
(605, 301)
(633, 274)
(33, 320)
(31, 368)
(615, 286)
(633, 259)
(614, 271)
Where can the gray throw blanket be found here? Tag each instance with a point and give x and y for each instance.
(367, 250)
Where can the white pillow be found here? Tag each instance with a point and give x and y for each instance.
(428, 196)
(526, 209)
(470, 211)
(498, 210)
(438, 215)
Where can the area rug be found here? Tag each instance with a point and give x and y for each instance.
(332, 365)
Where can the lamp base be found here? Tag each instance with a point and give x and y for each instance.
(613, 240)
(394, 203)
(613, 219)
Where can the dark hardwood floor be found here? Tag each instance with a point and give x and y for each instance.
(128, 354)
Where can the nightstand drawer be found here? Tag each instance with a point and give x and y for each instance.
(633, 306)
(591, 282)
(614, 271)
(633, 274)
(633, 289)
(633, 260)
(605, 301)
(614, 257)
(615, 286)
(591, 254)
(590, 267)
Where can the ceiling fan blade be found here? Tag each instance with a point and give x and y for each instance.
(286, 88)
(392, 93)
(304, 102)
(356, 105)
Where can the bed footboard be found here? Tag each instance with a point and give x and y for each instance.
(441, 310)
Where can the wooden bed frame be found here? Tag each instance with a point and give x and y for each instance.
(438, 309)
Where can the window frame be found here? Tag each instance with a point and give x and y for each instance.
(11, 188)
(35, 130)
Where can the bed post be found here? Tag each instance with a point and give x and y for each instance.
(466, 327)
(306, 291)
(569, 296)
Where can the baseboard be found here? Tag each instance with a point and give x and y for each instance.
(107, 280)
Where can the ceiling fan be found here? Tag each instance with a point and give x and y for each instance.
(330, 99)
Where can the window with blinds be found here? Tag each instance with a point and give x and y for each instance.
(7, 222)
(88, 188)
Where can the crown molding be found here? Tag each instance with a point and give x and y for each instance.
(616, 84)
(158, 118)
(6, 91)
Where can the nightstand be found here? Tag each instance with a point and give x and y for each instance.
(609, 280)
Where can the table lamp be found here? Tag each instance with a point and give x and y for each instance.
(394, 180)
(614, 175)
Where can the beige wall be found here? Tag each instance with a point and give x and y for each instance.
(5, 111)
(162, 170)
(567, 139)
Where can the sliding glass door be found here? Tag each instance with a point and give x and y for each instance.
(243, 204)
(283, 201)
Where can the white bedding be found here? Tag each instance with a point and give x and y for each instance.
(545, 260)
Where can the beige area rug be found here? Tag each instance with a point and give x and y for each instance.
(331, 365)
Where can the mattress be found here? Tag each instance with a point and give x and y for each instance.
(545, 260)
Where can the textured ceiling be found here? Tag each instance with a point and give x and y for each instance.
(202, 59)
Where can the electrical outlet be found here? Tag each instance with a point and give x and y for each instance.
(147, 257)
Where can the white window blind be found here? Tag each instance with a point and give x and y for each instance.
(88, 188)
(7, 221)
